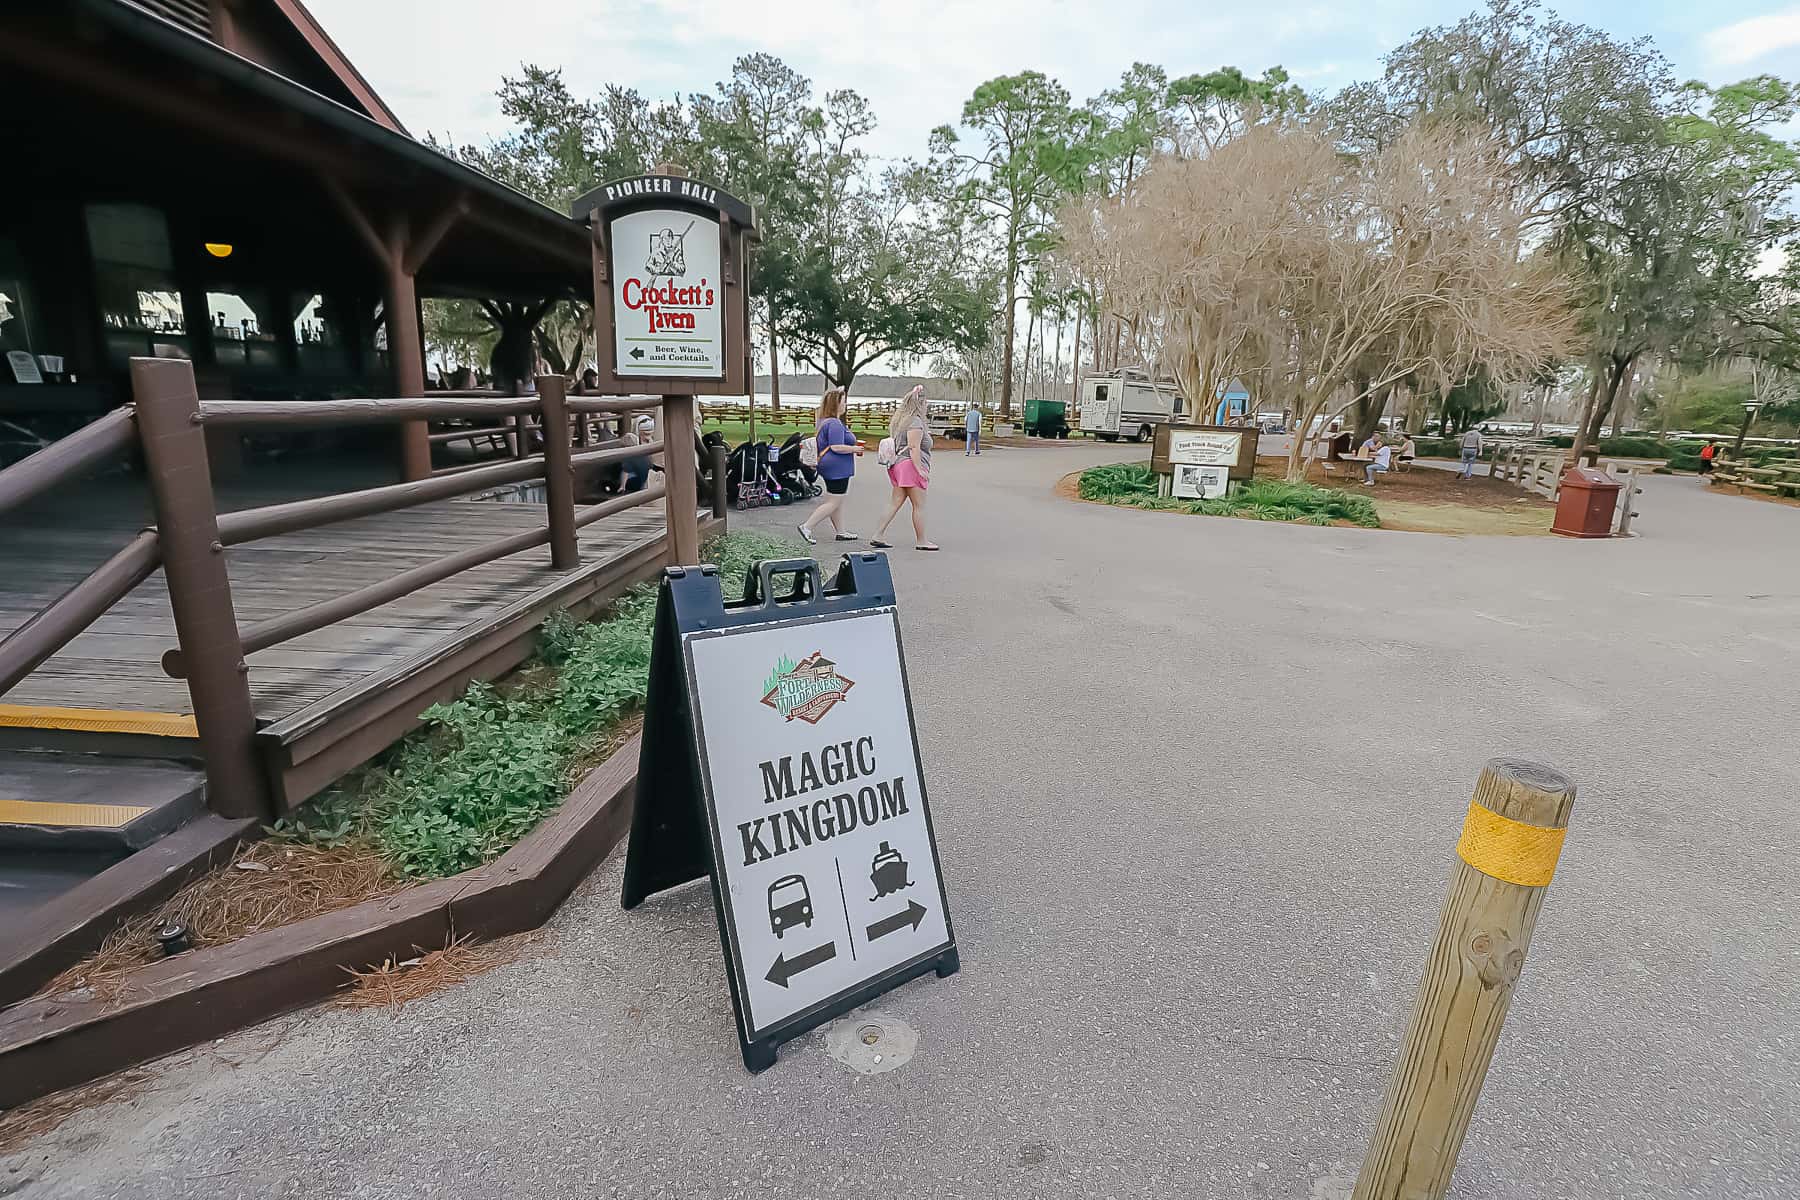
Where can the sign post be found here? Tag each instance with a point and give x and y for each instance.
(671, 309)
(1198, 462)
(780, 759)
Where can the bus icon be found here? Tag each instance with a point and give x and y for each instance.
(790, 904)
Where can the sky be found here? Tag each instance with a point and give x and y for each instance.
(437, 62)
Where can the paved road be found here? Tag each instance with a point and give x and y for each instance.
(1197, 783)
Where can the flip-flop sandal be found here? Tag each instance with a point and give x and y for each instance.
(881, 545)
(933, 548)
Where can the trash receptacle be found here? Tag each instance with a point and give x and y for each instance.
(1587, 503)
(1045, 418)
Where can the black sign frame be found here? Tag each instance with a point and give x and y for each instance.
(675, 834)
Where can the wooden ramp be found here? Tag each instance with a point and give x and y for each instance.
(330, 699)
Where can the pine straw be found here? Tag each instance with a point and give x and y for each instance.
(395, 983)
(267, 884)
(28, 1121)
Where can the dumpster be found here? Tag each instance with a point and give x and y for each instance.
(1587, 503)
(1046, 418)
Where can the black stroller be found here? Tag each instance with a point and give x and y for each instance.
(795, 477)
(750, 477)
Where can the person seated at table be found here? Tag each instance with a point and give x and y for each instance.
(636, 470)
(1409, 450)
(1368, 448)
(1378, 462)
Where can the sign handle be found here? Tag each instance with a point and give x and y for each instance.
(759, 589)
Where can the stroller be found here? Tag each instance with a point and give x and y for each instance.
(795, 477)
(750, 477)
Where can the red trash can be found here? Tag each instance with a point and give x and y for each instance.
(1586, 505)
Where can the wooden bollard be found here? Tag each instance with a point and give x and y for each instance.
(1510, 843)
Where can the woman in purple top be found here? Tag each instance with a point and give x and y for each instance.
(838, 449)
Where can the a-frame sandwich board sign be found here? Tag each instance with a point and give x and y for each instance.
(780, 759)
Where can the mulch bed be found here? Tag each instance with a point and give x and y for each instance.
(265, 885)
(1417, 485)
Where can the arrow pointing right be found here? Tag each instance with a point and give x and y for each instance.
(912, 914)
(785, 968)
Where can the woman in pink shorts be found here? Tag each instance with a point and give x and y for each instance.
(910, 473)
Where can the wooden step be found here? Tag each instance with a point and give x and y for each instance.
(81, 803)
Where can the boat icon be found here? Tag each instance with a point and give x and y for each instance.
(888, 872)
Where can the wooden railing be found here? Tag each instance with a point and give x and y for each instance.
(869, 416)
(169, 421)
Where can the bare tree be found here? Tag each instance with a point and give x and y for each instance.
(1327, 278)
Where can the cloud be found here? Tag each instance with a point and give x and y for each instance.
(438, 61)
(1745, 41)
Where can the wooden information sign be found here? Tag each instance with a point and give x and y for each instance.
(780, 760)
(671, 294)
(1229, 446)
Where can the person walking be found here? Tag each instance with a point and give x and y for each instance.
(1471, 450)
(838, 449)
(1709, 455)
(972, 431)
(910, 472)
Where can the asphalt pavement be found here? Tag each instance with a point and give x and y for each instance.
(1197, 784)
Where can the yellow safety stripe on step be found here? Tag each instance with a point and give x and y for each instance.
(53, 812)
(97, 720)
(1509, 850)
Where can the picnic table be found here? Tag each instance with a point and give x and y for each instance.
(1782, 478)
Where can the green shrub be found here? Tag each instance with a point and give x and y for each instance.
(490, 765)
(1133, 485)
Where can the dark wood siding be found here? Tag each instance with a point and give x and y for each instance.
(192, 15)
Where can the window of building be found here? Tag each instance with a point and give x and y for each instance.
(319, 333)
(240, 335)
(15, 309)
(134, 277)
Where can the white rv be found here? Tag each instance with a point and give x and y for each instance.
(1128, 404)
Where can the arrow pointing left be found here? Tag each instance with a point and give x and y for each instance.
(786, 968)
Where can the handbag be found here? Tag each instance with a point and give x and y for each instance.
(809, 452)
(885, 453)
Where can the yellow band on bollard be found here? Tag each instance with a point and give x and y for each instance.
(1507, 849)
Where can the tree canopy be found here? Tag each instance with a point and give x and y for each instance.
(1647, 220)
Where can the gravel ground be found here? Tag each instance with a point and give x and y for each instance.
(1197, 783)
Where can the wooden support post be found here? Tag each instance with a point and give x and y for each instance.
(559, 475)
(1510, 843)
(187, 523)
(521, 436)
(406, 355)
(721, 490)
(679, 468)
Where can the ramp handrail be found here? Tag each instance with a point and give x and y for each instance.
(168, 420)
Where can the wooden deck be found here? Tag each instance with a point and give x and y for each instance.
(116, 663)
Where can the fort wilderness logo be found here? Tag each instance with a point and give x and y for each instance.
(805, 690)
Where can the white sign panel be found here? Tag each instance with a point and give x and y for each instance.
(1200, 483)
(822, 842)
(1204, 449)
(668, 302)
